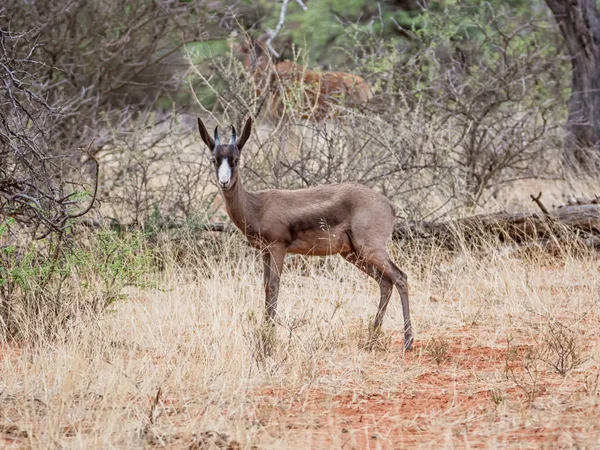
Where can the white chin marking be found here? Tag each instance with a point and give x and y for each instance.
(224, 172)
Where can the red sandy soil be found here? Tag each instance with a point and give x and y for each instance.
(464, 401)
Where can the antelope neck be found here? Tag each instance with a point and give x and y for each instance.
(241, 206)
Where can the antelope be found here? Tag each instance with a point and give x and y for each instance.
(281, 82)
(347, 219)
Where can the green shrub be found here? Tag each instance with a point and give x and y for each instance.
(47, 285)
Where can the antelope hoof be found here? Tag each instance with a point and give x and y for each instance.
(408, 342)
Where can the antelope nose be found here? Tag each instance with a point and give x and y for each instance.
(224, 173)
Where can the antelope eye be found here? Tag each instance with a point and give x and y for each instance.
(213, 160)
(236, 160)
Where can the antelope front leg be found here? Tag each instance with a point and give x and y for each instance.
(273, 266)
(266, 256)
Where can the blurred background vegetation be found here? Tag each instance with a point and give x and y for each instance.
(378, 37)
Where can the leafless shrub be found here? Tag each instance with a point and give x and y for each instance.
(114, 54)
(557, 347)
(35, 189)
(155, 174)
(79, 72)
(522, 366)
(563, 350)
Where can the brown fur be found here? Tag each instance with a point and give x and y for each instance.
(349, 219)
(314, 94)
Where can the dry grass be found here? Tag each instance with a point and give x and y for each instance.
(170, 364)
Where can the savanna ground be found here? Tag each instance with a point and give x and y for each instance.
(506, 357)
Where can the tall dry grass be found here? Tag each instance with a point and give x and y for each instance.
(170, 363)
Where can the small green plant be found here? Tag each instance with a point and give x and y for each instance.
(116, 262)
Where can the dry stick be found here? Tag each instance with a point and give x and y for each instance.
(547, 214)
(540, 204)
(273, 33)
(596, 382)
(150, 420)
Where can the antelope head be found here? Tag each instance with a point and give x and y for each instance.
(226, 157)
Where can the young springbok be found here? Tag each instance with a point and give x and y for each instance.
(349, 219)
(287, 86)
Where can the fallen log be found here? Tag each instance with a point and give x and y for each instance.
(579, 221)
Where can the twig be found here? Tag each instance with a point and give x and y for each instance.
(278, 27)
(273, 33)
(150, 420)
(302, 5)
(596, 383)
(97, 171)
(540, 204)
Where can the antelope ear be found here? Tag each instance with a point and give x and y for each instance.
(245, 134)
(210, 143)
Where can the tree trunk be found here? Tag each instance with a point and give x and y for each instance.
(579, 23)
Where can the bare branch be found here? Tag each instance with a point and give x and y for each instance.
(273, 33)
(538, 202)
